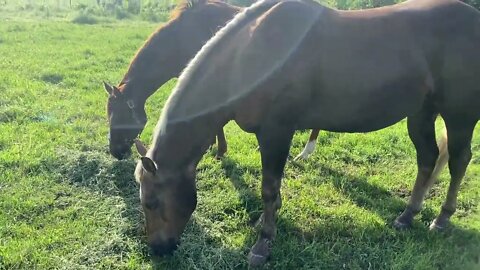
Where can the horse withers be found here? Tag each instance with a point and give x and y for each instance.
(163, 56)
(282, 66)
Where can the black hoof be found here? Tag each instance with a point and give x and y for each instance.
(260, 253)
(439, 226)
(405, 220)
(401, 225)
(256, 260)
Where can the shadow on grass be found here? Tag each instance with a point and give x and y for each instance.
(366, 195)
(342, 242)
(251, 201)
(201, 250)
(332, 242)
(103, 174)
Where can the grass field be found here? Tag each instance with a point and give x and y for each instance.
(66, 204)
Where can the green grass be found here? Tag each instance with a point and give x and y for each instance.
(65, 203)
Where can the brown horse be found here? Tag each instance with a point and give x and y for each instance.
(162, 57)
(282, 66)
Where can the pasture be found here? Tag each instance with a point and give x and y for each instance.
(66, 203)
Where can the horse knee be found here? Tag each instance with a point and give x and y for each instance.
(427, 158)
(270, 194)
(459, 161)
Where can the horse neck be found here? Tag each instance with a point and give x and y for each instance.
(145, 75)
(140, 89)
(184, 143)
(152, 67)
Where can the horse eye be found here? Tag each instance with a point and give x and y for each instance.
(152, 205)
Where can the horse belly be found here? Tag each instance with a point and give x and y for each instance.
(364, 110)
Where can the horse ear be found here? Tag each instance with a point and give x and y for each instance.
(112, 90)
(141, 148)
(149, 165)
(116, 91)
(108, 88)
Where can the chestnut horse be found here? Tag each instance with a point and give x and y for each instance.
(280, 66)
(163, 56)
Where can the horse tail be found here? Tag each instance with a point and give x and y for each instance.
(442, 156)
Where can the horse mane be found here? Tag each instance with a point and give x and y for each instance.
(189, 4)
(150, 42)
(238, 21)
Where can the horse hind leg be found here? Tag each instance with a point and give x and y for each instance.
(309, 147)
(460, 133)
(421, 129)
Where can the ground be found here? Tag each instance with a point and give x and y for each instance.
(65, 203)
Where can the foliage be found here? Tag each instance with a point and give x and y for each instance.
(362, 4)
(134, 6)
(121, 13)
(90, 11)
(84, 17)
(473, 3)
(242, 3)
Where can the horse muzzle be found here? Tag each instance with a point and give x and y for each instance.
(164, 248)
(120, 152)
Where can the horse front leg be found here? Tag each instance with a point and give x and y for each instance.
(221, 144)
(274, 145)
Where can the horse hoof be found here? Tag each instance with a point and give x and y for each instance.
(219, 157)
(301, 156)
(405, 220)
(256, 260)
(438, 226)
(259, 254)
(401, 225)
(298, 158)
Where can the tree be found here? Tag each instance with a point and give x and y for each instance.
(134, 6)
(473, 3)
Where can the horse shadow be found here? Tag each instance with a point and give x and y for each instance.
(337, 241)
(112, 178)
(199, 249)
(358, 189)
(343, 236)
(246, 193)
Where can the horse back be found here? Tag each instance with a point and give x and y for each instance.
(373, 68)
